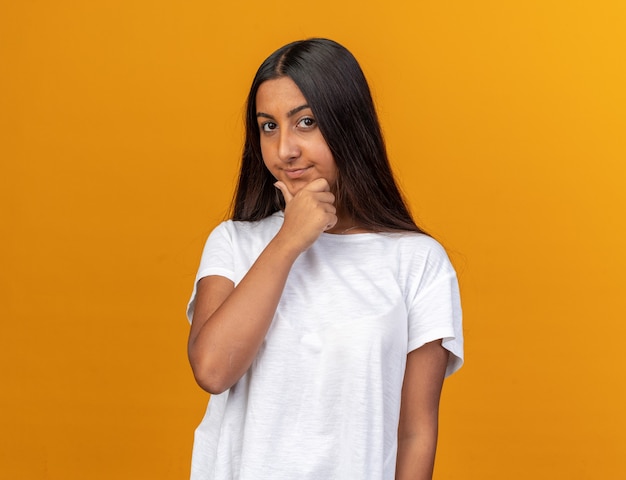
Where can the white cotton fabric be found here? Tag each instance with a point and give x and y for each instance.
(322, 398)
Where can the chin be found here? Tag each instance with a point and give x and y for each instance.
(295, 186)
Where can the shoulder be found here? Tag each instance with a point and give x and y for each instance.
(243, 237)
(242, 228)
(417, 246)
(419, 241)
(422, 260)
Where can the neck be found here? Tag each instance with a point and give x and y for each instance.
(346, 225)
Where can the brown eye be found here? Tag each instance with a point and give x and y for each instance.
(268, 126)
(307, 122)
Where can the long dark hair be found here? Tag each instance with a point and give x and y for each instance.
(335, 88)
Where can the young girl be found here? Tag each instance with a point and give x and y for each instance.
(323, 319)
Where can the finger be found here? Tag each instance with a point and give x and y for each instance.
(318, 185)
(285, 191)
(328, 207)
(325, 197)
(331, 223)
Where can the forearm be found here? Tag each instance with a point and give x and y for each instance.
(230, 324)
(223, 349)
(416, 454)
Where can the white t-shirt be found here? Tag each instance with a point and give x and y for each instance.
(322, 398)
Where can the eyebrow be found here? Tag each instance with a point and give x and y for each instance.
(290, 113)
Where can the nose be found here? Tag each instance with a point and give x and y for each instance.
(288, 147)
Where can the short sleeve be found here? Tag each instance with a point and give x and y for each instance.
(217, 259)
(435, 305)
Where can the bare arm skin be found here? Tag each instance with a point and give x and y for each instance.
(229, 324)
(419, 412)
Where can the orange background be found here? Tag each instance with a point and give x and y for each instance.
(120, 132)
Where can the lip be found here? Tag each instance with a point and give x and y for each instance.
(293, 173)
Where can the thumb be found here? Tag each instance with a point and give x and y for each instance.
(286, 193)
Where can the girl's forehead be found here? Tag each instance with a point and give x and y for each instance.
(280, 93)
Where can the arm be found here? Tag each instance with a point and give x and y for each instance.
(419, 412)
(229, 324)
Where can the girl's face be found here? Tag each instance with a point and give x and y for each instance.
(293, 147)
